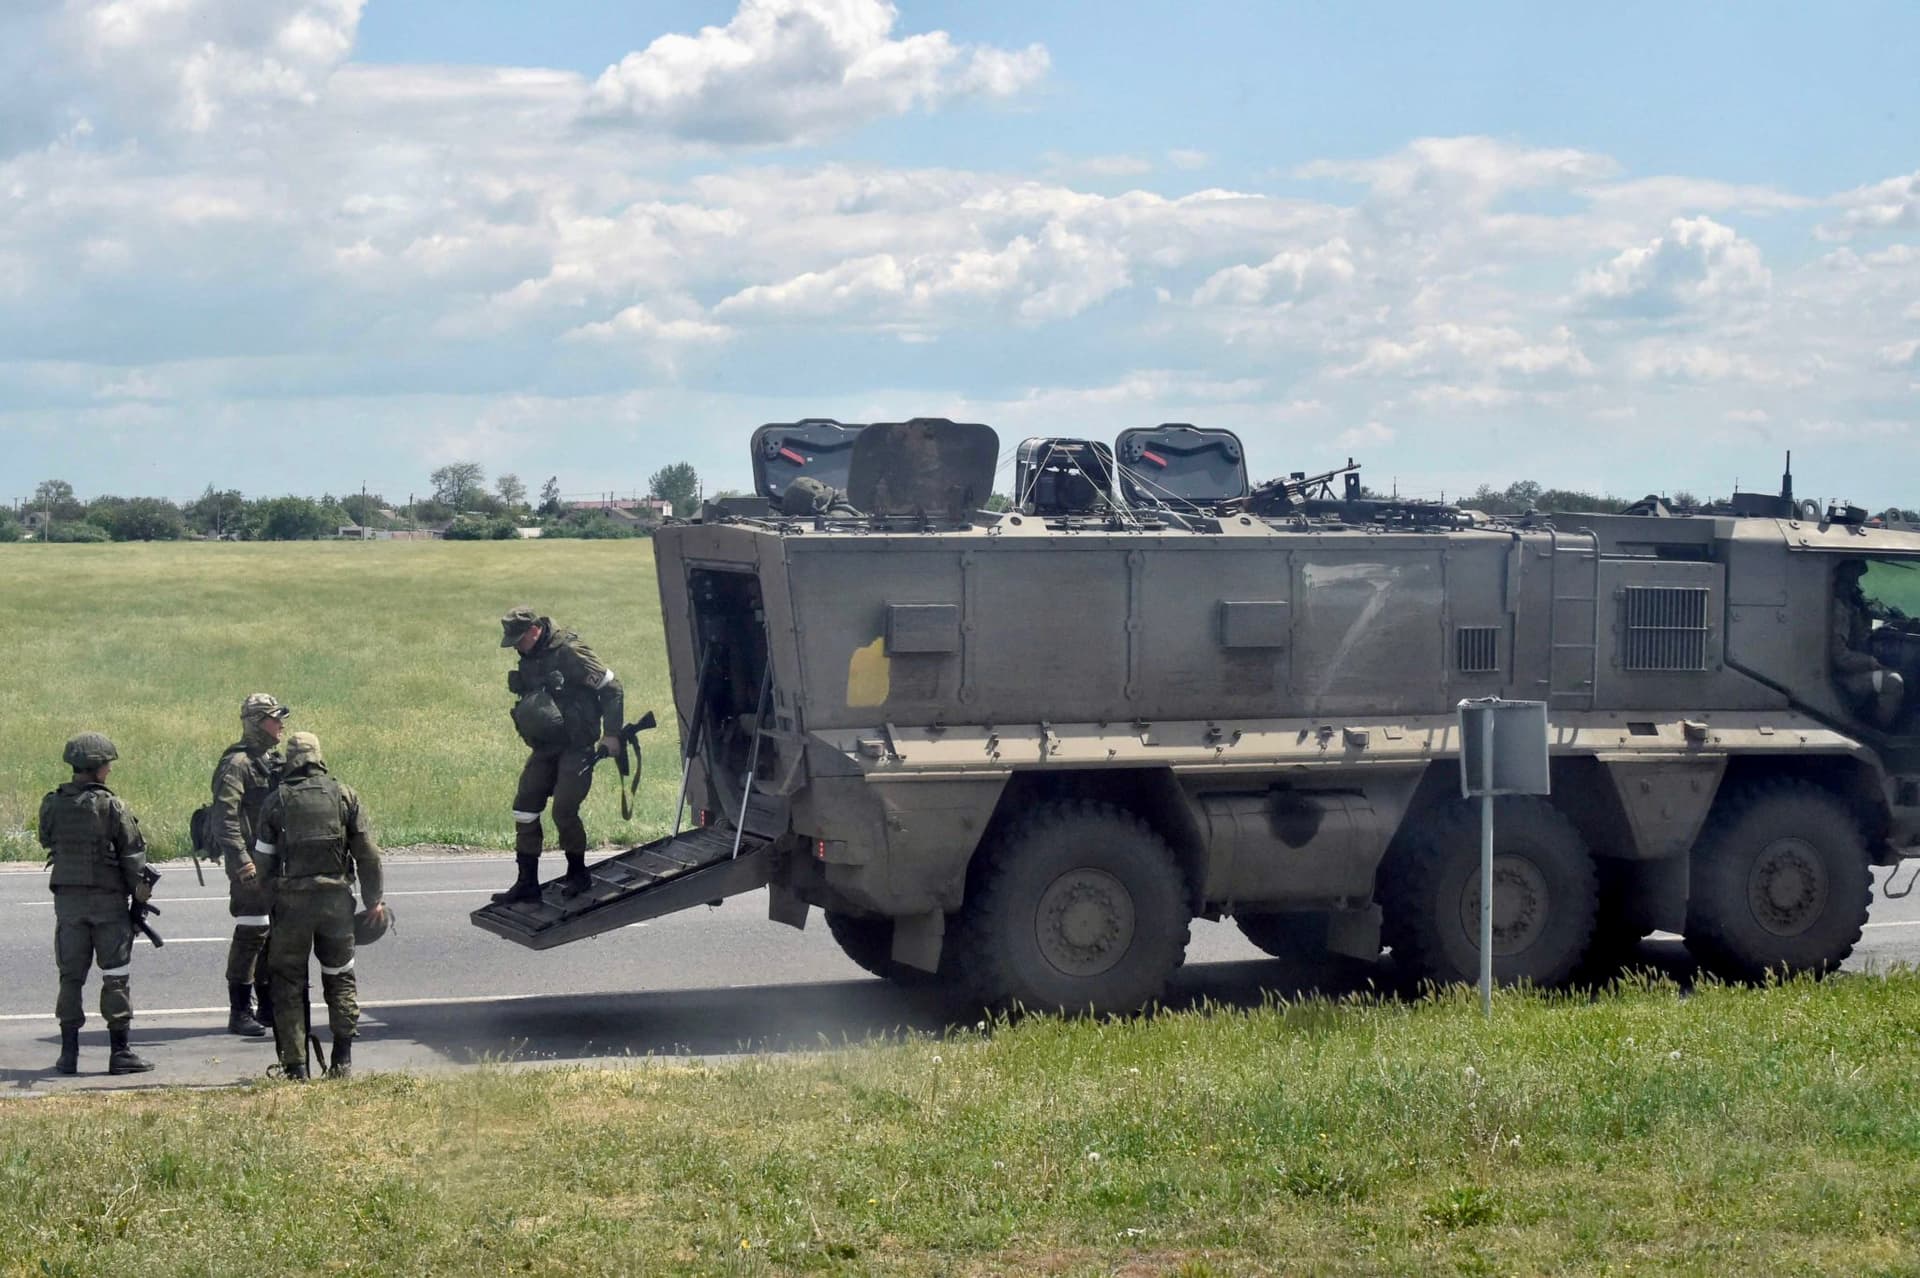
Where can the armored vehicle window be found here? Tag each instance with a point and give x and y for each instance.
(818, 447)
(1181, 465)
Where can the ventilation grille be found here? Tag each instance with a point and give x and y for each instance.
(1476, 649)
(1666, 628)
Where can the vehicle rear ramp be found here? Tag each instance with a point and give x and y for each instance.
(659, 878)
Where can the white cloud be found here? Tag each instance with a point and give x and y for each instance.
(1472, 170)
(1696, 263)
(1183, 158)
(1097, 166)
(1292, 273)
(638, 323)
(194, 63)
(1662, 362)
(1452, 350)
(1368, 435)
(793, 70)
(1883, 206)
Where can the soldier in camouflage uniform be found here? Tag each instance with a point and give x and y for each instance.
(569, 706)
(245, 775)
(97, 856)
(1875, 692)
(314, 839)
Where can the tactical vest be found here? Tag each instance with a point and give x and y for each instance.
(552, 712)
(261, 774)
(313, 833)
(82, 840)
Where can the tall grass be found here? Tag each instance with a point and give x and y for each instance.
(388, 650)
(1729, 1131)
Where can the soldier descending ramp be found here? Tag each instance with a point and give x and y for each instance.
(1024, 751)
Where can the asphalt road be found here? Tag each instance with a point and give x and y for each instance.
(440, 993)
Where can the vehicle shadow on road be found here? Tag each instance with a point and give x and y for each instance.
(812, 1017)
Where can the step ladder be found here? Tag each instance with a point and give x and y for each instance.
(663, 877)
(1573, 620)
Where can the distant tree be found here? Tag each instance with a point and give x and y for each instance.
(364, 508)
(1683, 500)
(999, 502)
(217, 513)
(431, 511)
(77, 530)
(550, 496)
(104, 511)
(49, 493)
(457, 483)
(148, 519)
(9, 527)
(511, 490)
(471, 527)
(677, 484)
(1565, 499)
(288, 519)
(1523, 494)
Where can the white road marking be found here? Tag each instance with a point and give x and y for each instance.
(141, 1012)
(194, 900)
(1896, 923)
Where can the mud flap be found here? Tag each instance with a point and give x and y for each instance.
(663, 877)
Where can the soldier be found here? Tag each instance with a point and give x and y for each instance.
(1875, 692)
(242, 780)
(569, 706)
(98, 858)
(315, 837)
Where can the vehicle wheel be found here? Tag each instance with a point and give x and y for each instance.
(1297, 936)
(1079, 907)
(869, 942)
(1545, 895)
(1780, 883)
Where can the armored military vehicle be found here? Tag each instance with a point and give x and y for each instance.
(1023, 751)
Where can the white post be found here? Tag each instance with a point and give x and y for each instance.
(1486, 866)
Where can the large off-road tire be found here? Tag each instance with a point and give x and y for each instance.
(869, 943)
(1297, 936)
(1079, 907)
(1545, 895)
(1780, 882)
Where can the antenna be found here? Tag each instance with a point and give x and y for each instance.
(1786, 480)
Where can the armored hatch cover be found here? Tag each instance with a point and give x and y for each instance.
(928, 467)
(818, 447)
(1181, 465)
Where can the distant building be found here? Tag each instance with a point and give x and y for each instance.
(651, 509)
(354, 532)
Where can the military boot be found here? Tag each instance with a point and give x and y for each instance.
(294, 1073)
(69, 1062)
(122, 1060)
(527, 886)
(263, 1002)
(240, 1019)
(342, 1066)
(577, 881)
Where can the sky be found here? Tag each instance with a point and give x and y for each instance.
(314, 245)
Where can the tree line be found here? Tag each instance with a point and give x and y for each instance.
(462, 506)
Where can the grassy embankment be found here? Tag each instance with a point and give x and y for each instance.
(1730, 1132)
(388, 650)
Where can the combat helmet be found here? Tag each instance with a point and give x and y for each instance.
(303, 751)
(88, 750)
(367, 929)
(262, 705)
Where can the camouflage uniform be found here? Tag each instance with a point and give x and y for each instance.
(314, 839)
(245, 775)
(567, 701)
(1874, 691)
(96, 854)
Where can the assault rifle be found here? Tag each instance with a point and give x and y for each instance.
(139, 911)
(629, 740)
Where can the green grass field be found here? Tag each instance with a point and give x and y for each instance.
(389, 651)
(1727, 1132)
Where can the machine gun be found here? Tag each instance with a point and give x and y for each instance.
(629, 739)
(1289, 493)
(140, 911)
